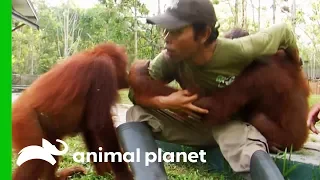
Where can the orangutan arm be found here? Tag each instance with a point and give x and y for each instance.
(145, 90)
(156, 94)
(225, 102)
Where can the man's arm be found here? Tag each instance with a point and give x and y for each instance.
(148, 79)
(156, 102)
(268, 41)
(152, 102)
(149, 88)
(313, 118)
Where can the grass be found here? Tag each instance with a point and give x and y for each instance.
(124, 97)
(176, 171)
(314, 99)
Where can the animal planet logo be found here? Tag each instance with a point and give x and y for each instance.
(44, 153)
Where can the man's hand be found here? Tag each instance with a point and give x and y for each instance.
(313, 118)
(182, 100)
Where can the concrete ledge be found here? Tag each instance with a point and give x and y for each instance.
(302, 165)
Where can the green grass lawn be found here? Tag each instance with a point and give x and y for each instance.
(314, 99)
(124, 97)
(176, 171)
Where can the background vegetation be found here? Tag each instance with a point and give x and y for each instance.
(66, 29)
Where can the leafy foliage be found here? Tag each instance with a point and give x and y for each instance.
(67, 29)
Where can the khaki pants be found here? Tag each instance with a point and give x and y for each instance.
(237, 140)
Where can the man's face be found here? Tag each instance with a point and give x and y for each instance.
(180, 43)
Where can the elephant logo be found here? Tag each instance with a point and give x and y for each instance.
(45, 152)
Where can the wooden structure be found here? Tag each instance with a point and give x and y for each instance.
(25, 13)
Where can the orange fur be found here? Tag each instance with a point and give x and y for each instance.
(271, 94)
(73, 97)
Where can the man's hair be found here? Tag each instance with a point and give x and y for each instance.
(200, 28)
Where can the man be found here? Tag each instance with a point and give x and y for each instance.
(194, 52)
(313, 118)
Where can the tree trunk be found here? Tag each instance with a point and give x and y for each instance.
(293, 20)
(58, 43)
(259, 13)
(244, 14)
(32, 53)
(274, 12)
(236, 13)
(135, 31)
(253, 9)
(66, 30)
(160, 43)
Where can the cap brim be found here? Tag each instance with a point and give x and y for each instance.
(167, 21)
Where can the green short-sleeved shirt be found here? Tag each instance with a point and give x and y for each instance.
(231, 56)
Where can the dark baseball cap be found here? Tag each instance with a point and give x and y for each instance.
(181, 13)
